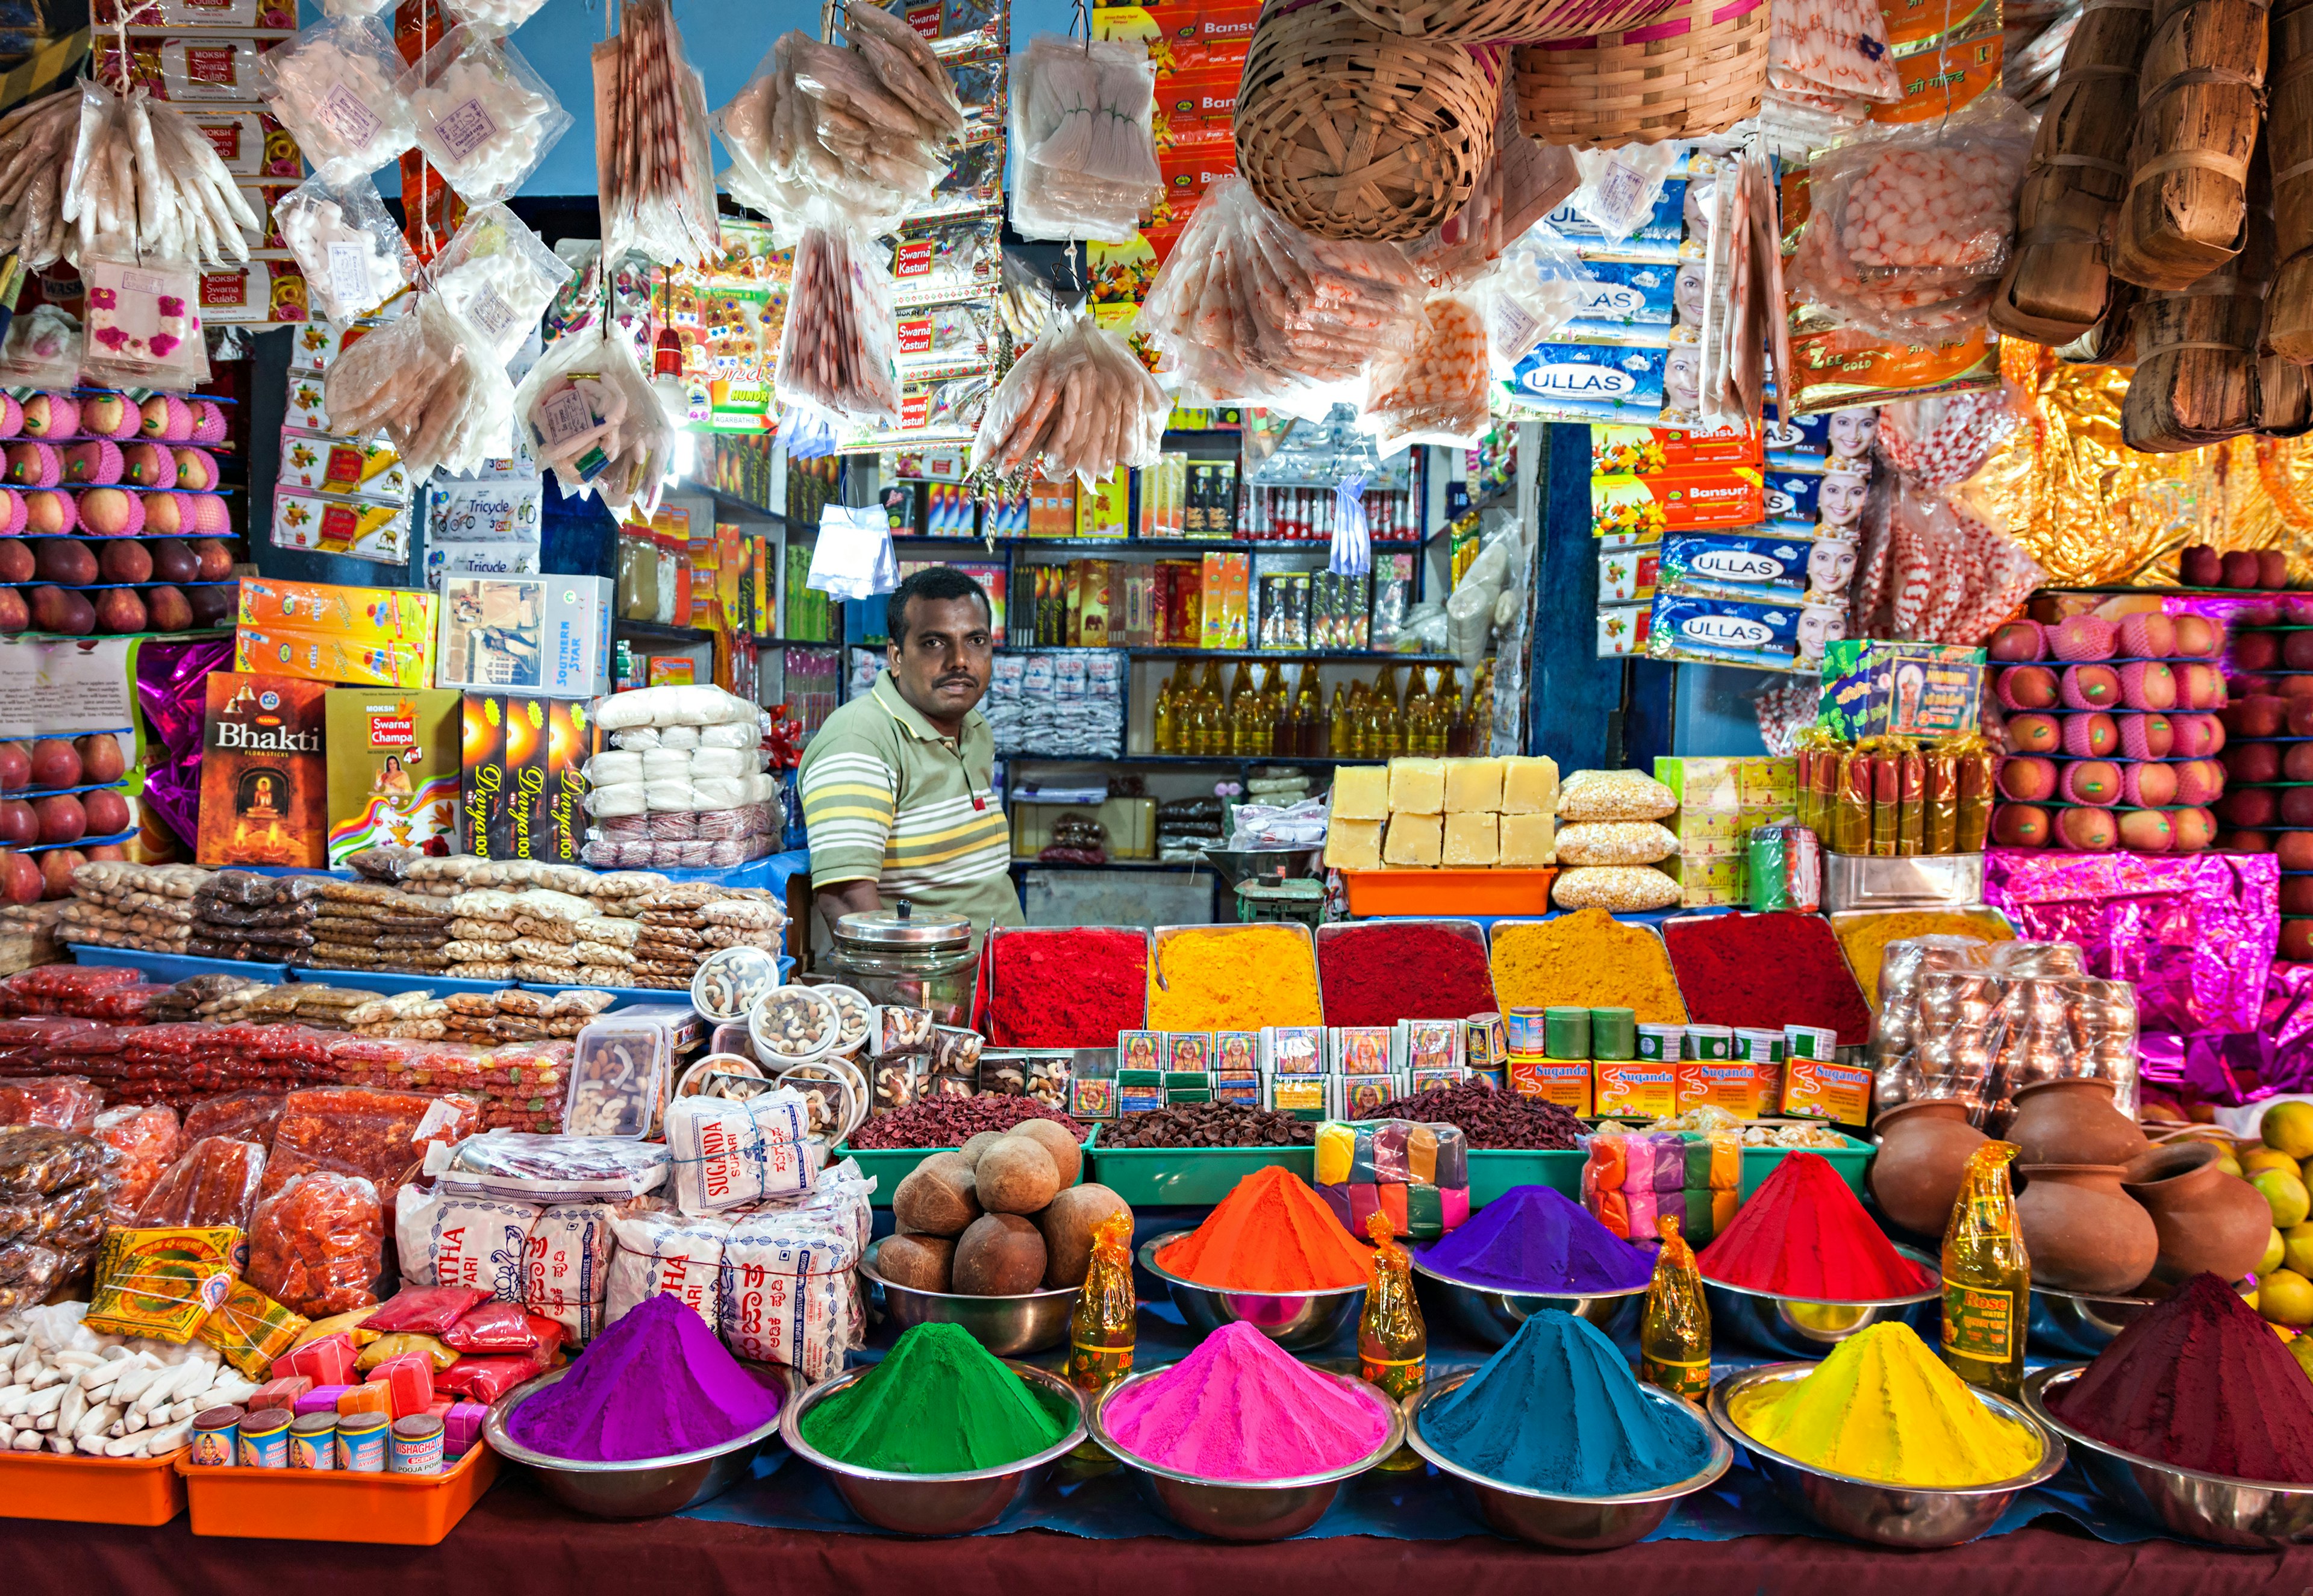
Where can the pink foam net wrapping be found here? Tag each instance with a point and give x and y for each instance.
(2194, 933)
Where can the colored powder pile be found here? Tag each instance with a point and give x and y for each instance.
(2199, 1381)
(1237, 978)
(1884, 1407)
(655, 1384)
(1556, 1409)
(1804, 1234)
(1588, 960)
(939, 1403)
(1074, 988)
(1242, 1408)
(1377, 975)
(1533, 1239)
(1270, 1233)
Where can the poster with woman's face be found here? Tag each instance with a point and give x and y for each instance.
(1839, 503)
(1687, 294)
(1831, 567)
(1682, 381)
(1820, 624)
(1852, 432)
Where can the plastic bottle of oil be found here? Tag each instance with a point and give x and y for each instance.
(1169, 699)
(1675, 1337)
(1987, 1276)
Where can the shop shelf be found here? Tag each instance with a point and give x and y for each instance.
(169, 968)
(1493, 1171)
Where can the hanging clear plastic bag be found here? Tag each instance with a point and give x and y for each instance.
(1079, 401)
(483, 117)
(334, 8)
(100, 191)
(497, 276)
(654, 170)
(591, 415)
(501, 16)
(853, 557)
(1621, 186)
(144, 182)
(36, 140)
(1530, 293)
(1836, 48)
(144, 325)
(837, 348)
(41, 350)
(352, 256)
(432, 384)
(335, 87)
(1433, 388)
(1082, 123)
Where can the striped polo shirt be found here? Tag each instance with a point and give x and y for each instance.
(887, 799)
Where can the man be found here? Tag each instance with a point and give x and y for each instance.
(895, 787)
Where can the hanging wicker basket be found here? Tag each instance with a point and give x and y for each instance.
(1696, 70)
(1524, 21)
(1348, 131)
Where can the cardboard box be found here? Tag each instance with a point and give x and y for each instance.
(482, 784)
(1819, 1089)
(1565, 1082)
(1739, 1085)
(569, 740)
(1875, 689)
(317, 656)
(393, 761)
(544, 635)
(1634, 1089)
(356, 614)
(1225, 581)
(264, 774)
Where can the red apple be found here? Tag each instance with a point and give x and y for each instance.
(20, 880)
(62, 818)
(107, 811)
(56, 764)
(101, 758)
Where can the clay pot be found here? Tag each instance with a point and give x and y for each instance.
(1924, 1144)
(2082, 1231)
(2072, 1121)
(2207, 1219)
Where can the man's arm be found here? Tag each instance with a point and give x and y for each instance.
(845, 898)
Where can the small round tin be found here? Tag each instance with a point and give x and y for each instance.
(417, 1445)
(216, 1438)
(361, 1443)
(265, 1439)
(313, 1441)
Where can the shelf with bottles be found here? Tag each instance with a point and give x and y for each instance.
(1259, 716)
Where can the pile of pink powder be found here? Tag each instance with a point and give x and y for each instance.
(1241, 1408)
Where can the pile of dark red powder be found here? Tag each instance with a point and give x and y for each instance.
(1377, 975)
(1074, 988)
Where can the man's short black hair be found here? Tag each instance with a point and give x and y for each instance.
(939, 583)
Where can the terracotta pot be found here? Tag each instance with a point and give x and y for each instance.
(2073, 1122)
(2083, 1232)
(1923, 1145)
(2207, 1219)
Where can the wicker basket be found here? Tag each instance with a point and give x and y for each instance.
(1524, 21)
(1348, 131)
(1697, 70)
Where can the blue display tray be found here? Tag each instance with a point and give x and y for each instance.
(173, 968)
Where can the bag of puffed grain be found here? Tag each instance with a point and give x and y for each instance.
(667, 1255)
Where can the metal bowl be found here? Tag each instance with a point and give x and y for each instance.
(1009, 1327)
(934, 1504)
(2070, 1325)
(1493, 1315)
(1297, 1321)
(1806, 1327)
(2212, 1507)
(1908, 1518)
(1236, 866)
(1242, 1510)
(1568, 1523)
(639, 1488)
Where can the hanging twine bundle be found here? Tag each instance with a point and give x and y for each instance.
(2199, 102)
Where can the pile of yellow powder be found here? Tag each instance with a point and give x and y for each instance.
(1587, 960)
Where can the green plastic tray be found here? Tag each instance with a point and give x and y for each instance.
(891, 1165)
(1151, 1176)
(1850, 1161)
(1493, 1173)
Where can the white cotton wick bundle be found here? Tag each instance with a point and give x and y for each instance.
(342, 105)
(483, 125)
(349, 269)
(1067, 99)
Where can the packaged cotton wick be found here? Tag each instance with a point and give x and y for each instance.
(483, 117)
(352, 256)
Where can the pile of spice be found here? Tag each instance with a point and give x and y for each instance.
(1072, 989)
(2199, 1381)
(952, 1121)
(1271, 1233)
(1767, 971)
(1804, 1234)
(1377, 975)
(938, 1403)
(1883, 1407)
(1587, 960)
(1242, 1408)
(1865, 939)
(1234, 978)
(1533, 1239)
(1557, 1409)
(1208, 1125)
(1489, 1119)
(655, 1384)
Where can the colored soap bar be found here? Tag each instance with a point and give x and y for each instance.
(1726, 1161)
(373, 1398)
(1723, 1204)
(328, 1361)
(1473, 786)
(279, 1393)
(1422, 1154)
(461, 1428)
(409, 1377)
(1417, 786)
(1361, 793)
(321, 1398)
(1471, 839)
(1696, 1225)
(1611, 1208)
(1530, 786)
(1353, 845)
(1528, 841)
(1415, 840)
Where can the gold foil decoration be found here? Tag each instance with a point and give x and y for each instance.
(2095, 512)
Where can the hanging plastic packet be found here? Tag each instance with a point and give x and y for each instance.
(807, 431)
(498, 277)
(1948, 573)
(1831, 47)
(654, 160)
(335, 9)
(500, 16)
(836, 349)
(1621, 186)
(1433, 388)
(974, 180)
(144, 325)
(41, 349)
(483, 117)
(1528, 294)
(1082, 119)
(593, 417)
(945, 259)
(1351, 551)
(432, 384)
(982, 89)
(1079, 402)
(352, 256)
(853, 557)
(334, 87)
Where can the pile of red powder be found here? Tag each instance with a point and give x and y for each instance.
(1377, 975)
(1766, 971)
(2200, 1381)
(1804, 1234)
(1067, 988)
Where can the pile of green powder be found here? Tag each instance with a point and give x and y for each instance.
(939, 1403)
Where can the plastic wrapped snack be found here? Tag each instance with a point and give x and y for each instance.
(359, 1130)
(837, 348)
(1078, 403)
(1616, 842)
(352, 256)
(215, 1182)
(161, 1281)
(815, 1316)
(144, 1142)
(1432, 389)
(1624, 889)
(1082, 117)
(432, 384)
(318, 1244)
(1613, 795)
(251, 1329)
(483, 117)
(334, 87)
(35, 1162)
(246, 1116)
(59, 1102)
(557, 1169)
(498, 276)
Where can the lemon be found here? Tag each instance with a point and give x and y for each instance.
(2298, 1251)
(2276, 1251)
(2290, 1128)
(2286, 1297)
(2227, 1162)
(2285, 1195)
(2269, 1158)
(2301, 1349)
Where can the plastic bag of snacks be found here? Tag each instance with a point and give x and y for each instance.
(334, 87)
(59, 1102)
(483, 117)
(213, 1182)
(144, 1142)
(492, 1327)
(432, 384)
(1431, 388)
(352, 256)
(1613, 795)
(161, 1281)
(251, 1329)
(318, 1245)
(1623, 888)
(1616, 842)
(1078, 403)
(376, 1133)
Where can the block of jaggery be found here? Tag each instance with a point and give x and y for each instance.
(1472, 786)
(1529, 785)
(1528, 840)
(1361, 793)
(1353, 845)
(1417, 786)
(1414, 839)
(1472, 840)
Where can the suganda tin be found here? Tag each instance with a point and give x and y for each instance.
(216, 1438)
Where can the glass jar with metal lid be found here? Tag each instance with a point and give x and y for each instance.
(898, 956)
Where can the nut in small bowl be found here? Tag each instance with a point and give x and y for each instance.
(794, 1024)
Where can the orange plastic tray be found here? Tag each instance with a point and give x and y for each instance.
(42, 1484)
(1449, 892)
(325, 1504)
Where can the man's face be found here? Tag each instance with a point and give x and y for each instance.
(942, 669)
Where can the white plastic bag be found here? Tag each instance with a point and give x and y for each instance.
(1527, 294)
(497, 276)
(1082, 127)
(853, 557)
(352, 256)
(1433, 389)
(483, 117)
(335, 87)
